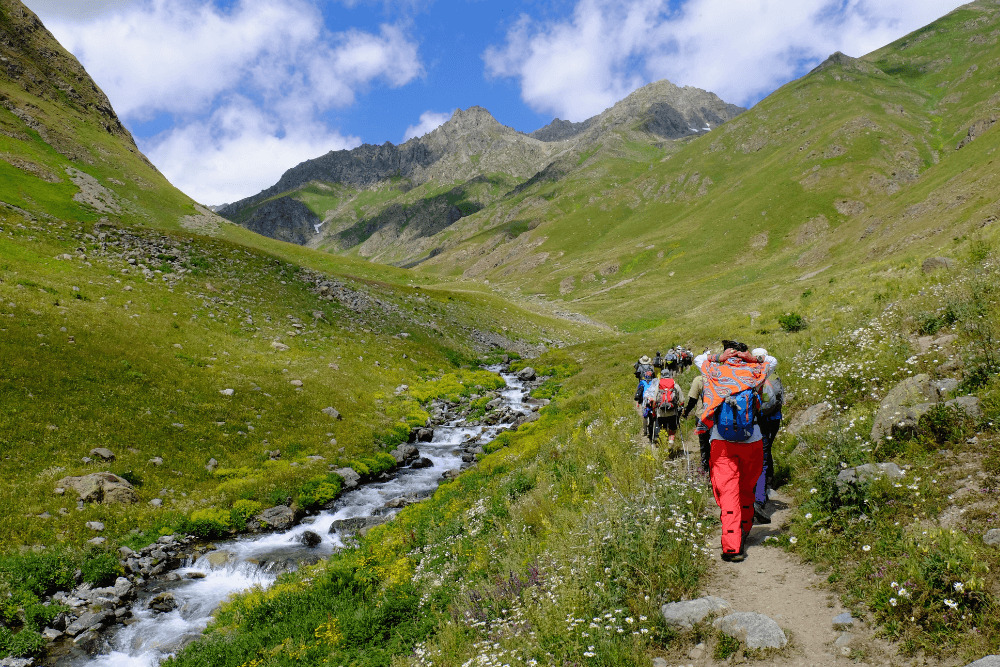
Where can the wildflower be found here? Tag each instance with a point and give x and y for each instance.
(903, 593)
(814, 490)
(892, 601)
(959, 587)
(867, 547)
(793, 540)
(951, 603)
(809, 515)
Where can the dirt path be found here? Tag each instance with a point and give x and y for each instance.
(778, 584)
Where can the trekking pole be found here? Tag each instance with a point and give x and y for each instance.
(687, 458)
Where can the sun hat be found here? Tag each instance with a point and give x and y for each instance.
(644, 359)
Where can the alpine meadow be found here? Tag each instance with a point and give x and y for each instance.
(181, 385)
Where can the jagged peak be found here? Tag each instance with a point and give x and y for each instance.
(835, 58)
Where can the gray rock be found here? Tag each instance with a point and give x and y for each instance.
(50, 634)
(945, 386)
(422, 462)
(526, 374)
(449, 475)
(685, 614)
(988, 661)
(404, 453)
(752, 629)
(156, 461)
(310, 539)
(350, 477)
(95, 525)
(332, 412)
(992, 537)
(163, 603)
(843, 621)
(227, 392)
(810, 417)
(967, 404)
(88, 641)
(88, 620)
(102, 453)
(425, 434)
(913, 391)
(356, 524)
(279, 517)
(867, 472)
(156, 502)
(932, 264)
(97, 541)
(100, 487)
(211, 465)
(219, 558)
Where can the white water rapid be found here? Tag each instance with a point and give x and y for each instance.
(239, 564)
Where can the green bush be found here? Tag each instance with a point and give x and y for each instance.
(241, 512)
(319, 491)
(209, 523)
(23, 644)
(360, 467)
(101, 568)
(792, 322)
(40, 573)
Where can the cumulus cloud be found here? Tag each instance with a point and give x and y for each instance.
(429, 121)
(239, 83)
(237, 151)
(578, 66)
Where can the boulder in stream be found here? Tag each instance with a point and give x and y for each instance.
(310, 539)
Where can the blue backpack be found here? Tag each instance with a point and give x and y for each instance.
(735, 417)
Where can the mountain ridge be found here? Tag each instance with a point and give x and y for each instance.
(470, 146)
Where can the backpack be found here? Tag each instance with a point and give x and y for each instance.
(649, 395)
(641, 390)
(774, 396)
(736, 415)
(668, 398)
(670, 360)
(645, 372)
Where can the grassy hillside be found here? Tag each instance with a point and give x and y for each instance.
(122, 326)
(852, 164)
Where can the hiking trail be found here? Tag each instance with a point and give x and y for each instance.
(778, 584)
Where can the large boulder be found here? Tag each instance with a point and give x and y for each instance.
(526, 374)
(932, 264)
(279, 517)
(809, 417)
(868, 471)
(988, 661)
(901, 404)
(752, 629)
(686, 614)
(350, 476)
(100, 487)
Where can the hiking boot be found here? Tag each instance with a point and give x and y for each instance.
(734, 556)
(759, 515)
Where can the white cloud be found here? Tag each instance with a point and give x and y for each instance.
(245, 87)
(577, 67)
(178, 56)
(238, 151)
(429, 121)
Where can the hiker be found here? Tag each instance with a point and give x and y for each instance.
(773, 397)
(731, 404)
(667, 402)
(694, 398)
(670, 362)
(647, 378)
(644, 364)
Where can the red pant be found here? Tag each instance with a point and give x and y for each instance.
(735, 467)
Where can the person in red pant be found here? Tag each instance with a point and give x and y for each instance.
(732, 382)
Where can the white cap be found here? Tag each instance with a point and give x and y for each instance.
(759, 352)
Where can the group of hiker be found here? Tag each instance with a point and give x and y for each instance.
(737, 400)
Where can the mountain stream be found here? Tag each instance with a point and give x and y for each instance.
(239, 564)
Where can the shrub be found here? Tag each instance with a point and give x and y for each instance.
(241, 512)
(25, 643)
(40, 573)
(360, 468)
(319, 491)
(209, 523)
(101, 568)
(791, 322)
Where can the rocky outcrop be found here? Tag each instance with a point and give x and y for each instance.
(284, 219)
(100, 487)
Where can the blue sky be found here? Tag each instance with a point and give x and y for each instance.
(225, 95)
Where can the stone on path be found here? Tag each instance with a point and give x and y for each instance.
(988, 661)
(686, 613)
(843, 621)
(752, 629)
